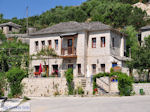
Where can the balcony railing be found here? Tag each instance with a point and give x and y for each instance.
(68, 52)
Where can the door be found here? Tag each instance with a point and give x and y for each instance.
(70, 66)
(46, 70)
(70, 45)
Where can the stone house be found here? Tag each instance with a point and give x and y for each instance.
(10, 28)
(145, 32)
(88, 48)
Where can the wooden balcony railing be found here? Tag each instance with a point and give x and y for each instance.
(68, 52)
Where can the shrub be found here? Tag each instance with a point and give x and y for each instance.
(124, 84)
(2, 84)
(79, 90)
(69, 78)
(14, 78)
(98, 76)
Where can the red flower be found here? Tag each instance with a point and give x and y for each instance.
(95, 89)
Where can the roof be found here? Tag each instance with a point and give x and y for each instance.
(145, 28)
(10, 24)
(73, 27)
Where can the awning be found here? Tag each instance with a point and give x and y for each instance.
(68, 34)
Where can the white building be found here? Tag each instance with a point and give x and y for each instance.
(145, 32)
(88, 48)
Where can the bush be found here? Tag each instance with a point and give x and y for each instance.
(124, 84)
(69, 78)
(14, 78)
(98, 76)
(2, 84)
(79, 91)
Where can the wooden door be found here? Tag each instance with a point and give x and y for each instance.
(70, 45)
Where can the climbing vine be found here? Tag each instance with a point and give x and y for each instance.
(69, 79)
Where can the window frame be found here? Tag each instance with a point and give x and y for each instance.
(103, 44)
(94, 43)
(49, 44)
(56, 45)
(93, 70)
(43, 45)
(113, 42)
(103, 68)
(36, 43)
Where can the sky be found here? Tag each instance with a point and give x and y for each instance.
(17, 8)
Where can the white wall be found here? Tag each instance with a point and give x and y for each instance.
(144, 34)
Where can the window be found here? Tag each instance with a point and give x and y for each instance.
(69, 42)
(10, 28)
(37, 68)
(49, 44)
(36, 45)
(94, 68)
(93, 42)
(102, 41)
(79, 69)
(113, 42)
(70, 66)
(55, 70)
(114, 64)
(43, 44)
(103, 67)
(56, 44)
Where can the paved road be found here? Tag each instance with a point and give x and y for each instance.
(91, 104)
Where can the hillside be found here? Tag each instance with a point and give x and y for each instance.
(117, 13)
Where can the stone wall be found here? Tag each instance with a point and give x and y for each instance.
(36, 87)
(144, 86)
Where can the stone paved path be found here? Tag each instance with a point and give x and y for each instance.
(91, 104)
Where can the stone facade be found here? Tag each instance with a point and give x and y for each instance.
(93, 50)
(144, 86)
(37, 87)
(86, 55)
(10, 27)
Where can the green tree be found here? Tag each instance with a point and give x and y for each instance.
(14, 77)
(2, 36)
(13, 53)
(69, 79)
(2, 83)
(131, 40)
(141, 60)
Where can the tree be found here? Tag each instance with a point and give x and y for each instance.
(2, 36)
(131, 40)
(13, 53)
(141, 60)
(118, 14)
(14, 76)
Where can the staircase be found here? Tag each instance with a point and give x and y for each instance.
(103, 85)
(83, 83)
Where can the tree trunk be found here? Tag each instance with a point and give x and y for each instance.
(130, 72)
(148, 75)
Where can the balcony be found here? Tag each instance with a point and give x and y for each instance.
(69, 52)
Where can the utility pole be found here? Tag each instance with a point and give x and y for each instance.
(27, 29)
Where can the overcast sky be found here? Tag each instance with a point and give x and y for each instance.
(17, 8)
